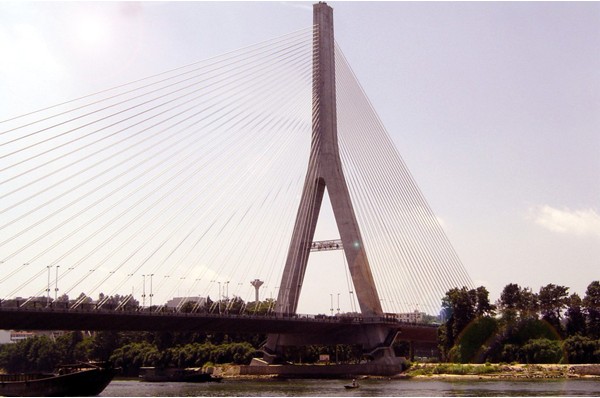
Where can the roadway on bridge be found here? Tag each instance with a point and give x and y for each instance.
(15, 318)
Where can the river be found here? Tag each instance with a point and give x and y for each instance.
(371, 388)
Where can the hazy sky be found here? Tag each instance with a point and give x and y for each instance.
(495, 107)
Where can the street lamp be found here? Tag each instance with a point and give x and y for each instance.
(48, 288)
(143, 291)
(331, 297)
(151, 275)
(338, 308)
(56, 284)
(219, 298)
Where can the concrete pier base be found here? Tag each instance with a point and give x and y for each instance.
(385, 367)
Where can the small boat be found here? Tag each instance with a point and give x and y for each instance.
(70, 380)
(353, 385)
(186, 375)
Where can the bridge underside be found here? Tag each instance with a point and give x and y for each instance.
(293, 331)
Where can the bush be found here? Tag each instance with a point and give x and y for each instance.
(542, 351)
(580, 349)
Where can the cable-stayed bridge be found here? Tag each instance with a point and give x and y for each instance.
(193, 182)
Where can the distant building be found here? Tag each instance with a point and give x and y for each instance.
(5, 336)
(14, 336)
(18, 335)
(411, 317)
(176, 301)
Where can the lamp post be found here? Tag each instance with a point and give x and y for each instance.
(56, 284)
(48, 288)
(143, 291)
(151, 275)
(338, 301)
(219, 298)
(331, 297)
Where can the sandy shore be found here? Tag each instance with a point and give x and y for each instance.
(495, 371)
(464, 372)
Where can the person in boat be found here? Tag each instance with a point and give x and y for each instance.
(354, 384)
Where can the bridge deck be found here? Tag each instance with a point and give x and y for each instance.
(100, 319)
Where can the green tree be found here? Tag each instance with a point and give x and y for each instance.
(581, 349)
(552, 301)
(67, 347)
(461, 307)
(103, 345)
(591, 305)
(528, 304)
(509, 302)
(484, 307)
(471, 345)
(575, 317)
(542, 351)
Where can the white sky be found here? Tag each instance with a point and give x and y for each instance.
(495, 107)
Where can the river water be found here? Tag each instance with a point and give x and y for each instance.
(368, 388)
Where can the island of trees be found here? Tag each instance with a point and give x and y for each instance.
(549, 326)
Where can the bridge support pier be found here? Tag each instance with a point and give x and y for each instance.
(376, 341)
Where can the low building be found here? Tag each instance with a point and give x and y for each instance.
(18, 335)
(5, 337)
(177, 301)
(411, 317)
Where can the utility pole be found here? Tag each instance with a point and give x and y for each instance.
(331, 297)
(143, 291)
(56, 284)
(48, 288)
(151, 275)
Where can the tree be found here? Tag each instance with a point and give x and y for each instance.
(471, 345)
(575, 317)
(591, 305)
(67, 347)
(509, 302)
(528, 304)
(461, 307)
(552, 300)
(63, 298)
(542, 351)
(516, 302)
(483, 303)
(105, 342)
(581, 349)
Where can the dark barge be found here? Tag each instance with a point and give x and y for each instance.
(69, 381)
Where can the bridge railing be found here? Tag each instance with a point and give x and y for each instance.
(64, 307)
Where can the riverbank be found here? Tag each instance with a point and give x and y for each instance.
(452, 371)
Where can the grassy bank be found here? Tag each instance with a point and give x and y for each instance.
(502, 371)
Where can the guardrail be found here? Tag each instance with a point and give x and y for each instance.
(90, 309)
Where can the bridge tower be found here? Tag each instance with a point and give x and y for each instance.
(324, 171)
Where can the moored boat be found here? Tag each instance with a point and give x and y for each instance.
(69, 381)
(188, 375)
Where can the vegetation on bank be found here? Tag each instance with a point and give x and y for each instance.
(549, 326)
(453, 369)
(502, 370)
(127, 350)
